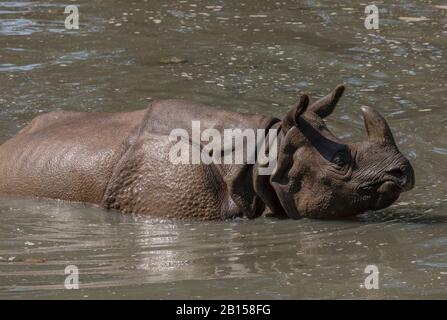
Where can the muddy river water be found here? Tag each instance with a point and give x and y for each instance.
(252, 56)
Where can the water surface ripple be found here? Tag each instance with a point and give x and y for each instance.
(252, 56)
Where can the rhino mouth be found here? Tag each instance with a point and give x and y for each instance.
(381, 187)
(381, 194)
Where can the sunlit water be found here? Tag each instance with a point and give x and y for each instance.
(253, 56)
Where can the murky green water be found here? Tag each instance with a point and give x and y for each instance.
(251, 56)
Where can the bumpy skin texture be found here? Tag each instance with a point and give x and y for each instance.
(121, 161)
(166, 115)
(187, 191)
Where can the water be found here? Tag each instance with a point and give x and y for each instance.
(253, 56)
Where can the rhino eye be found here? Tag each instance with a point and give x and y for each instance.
(340, 159)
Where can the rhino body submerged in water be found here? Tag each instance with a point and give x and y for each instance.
(121, 161)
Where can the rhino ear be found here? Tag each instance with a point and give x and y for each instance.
(291, 118)
(323, 107)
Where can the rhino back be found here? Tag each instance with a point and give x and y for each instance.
(165, 115)
(66, 155)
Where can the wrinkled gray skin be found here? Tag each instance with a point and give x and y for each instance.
(120, 161)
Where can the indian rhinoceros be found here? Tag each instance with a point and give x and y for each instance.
(121, 161)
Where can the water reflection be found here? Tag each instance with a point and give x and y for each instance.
(114, 251)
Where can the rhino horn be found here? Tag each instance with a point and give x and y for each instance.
(376, 126)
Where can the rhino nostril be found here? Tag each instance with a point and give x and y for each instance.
(404, 177)
(396, 172)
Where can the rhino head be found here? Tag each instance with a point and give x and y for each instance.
(320, 176)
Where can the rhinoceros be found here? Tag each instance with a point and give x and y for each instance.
(121, 161)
